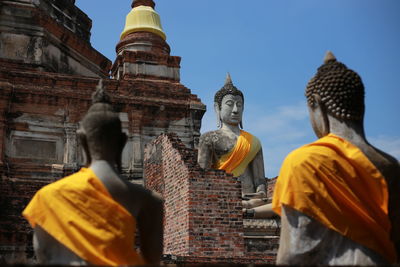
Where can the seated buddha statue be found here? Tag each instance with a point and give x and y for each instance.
(234, 150)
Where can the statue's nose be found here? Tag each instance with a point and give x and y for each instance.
(235, 109)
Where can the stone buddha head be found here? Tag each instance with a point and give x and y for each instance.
(334, 91)
(229, 104)
(100, 130)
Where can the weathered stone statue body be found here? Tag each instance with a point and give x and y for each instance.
(234, 150)
(90, 217)
(356, 220)
(215, 144)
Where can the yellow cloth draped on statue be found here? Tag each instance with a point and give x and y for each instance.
(244, 151)
(79, 212)
(332, 181)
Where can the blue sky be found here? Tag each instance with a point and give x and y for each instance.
(271, 49)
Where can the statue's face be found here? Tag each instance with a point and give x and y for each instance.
(231, 109)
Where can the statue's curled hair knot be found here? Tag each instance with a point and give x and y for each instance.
(341, 90)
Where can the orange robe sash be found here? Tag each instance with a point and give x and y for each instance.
(79, 212)
(332, 181)
(244, 151)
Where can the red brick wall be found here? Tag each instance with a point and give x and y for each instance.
(169, 178)
(215, 210)
(15, 232)
(203, 211)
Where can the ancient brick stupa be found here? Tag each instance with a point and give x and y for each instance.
(147, 77)
(48, 71)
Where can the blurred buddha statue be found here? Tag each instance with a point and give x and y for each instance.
(91, 217)
(338, 197)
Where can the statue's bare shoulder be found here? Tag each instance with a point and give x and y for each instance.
(218, 141)
(209, 138)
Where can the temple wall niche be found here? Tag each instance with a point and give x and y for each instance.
(40, 136)
(14, 46)
(28, 49)
(34, 138)
(34, 147)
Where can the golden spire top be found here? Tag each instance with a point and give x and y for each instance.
(143, 18)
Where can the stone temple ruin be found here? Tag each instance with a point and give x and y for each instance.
(48, 71)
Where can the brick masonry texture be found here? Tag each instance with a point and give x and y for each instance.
(48, 72)
(203, 210)
(15, 232)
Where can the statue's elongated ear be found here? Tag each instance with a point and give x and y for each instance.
(123, 140)
(218, 112)
(319, 117)
(83, 141)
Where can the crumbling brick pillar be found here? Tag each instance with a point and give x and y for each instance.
(203, 210)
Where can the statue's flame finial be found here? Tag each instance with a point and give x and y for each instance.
(228, 79)
(100, 95)
(329, 56)
(100, 85)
